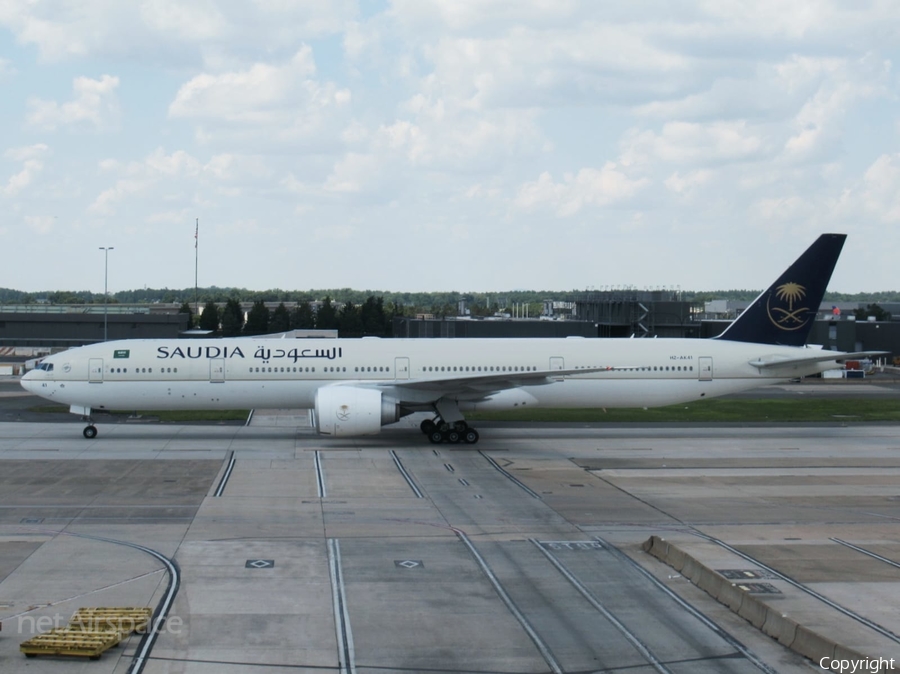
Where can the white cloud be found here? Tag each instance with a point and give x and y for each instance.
(198, 20)
(242, 229)
(53, 36)
(6, 69)
(353, 173)
(412, 120)
(179, 180)
(783, 209)
(468, 15)
(166, 30)
(808, 20)
(248, 95)
(233, 168)
(684, 185)
(40, 224)
(265, 104)
(94, 104)
(179, 163)
(170, 217)
(334, 233)
(23, 178)
(689, 143)
(362, 174)
(523, 67)
(443, 136)
(32, 161)
(26, 153)
(109, 164)
(880, 190)
(140, 178)
(607, 186)
(107, 200)
(817, 124)
(293, 184)
(762, 91)
(358, 40)
(815, 91)
(480, 191)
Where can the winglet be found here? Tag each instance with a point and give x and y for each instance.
(784, 313)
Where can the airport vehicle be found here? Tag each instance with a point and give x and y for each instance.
(356, 386)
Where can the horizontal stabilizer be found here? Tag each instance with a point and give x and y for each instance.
(820, 357)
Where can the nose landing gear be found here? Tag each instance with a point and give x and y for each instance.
(90, 431)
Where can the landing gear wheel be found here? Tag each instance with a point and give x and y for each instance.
(90, 432)
(438, 430)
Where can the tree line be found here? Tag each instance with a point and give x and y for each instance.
(407, 302)
(368, 319)
(438, 304)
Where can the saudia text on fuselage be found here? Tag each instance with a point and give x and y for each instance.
(262, 353)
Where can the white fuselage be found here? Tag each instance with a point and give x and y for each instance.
(246, 373)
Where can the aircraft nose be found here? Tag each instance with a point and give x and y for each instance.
(28, 381)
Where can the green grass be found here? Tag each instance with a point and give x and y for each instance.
(722, 410)
(179, 416)
(730, 410)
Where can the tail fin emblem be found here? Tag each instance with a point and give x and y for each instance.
(782, 312)
(785, 311)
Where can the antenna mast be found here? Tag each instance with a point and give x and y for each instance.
(196, 261)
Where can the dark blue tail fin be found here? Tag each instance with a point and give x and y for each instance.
(784, 313)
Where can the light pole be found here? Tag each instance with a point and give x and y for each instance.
(105, 250)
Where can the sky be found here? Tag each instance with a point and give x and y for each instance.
(427, 145)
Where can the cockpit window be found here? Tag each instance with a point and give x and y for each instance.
(46, 367)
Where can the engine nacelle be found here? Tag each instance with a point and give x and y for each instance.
(348, 410)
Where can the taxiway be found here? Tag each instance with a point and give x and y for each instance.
(273, 550)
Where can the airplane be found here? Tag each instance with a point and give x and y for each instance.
(356, 386)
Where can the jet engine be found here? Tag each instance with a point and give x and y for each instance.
(349, 410)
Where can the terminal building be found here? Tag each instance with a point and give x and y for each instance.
(639, 313)
(607, 313)
(652, 314)
(61, 326)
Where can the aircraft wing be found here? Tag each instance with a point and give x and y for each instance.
(839, 356)
(479, 386)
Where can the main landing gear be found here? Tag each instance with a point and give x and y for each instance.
(439, 431)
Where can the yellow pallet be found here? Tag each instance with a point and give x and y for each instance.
(91, 632)
(124, 620)
(69, 642)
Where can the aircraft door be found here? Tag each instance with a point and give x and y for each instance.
(401, 368)
(557, 363)
(95, 370)
(216, 370)
(705, 368)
